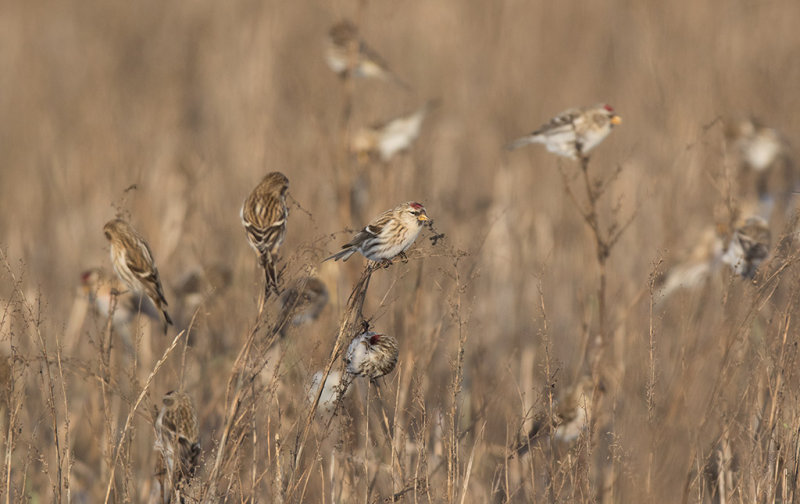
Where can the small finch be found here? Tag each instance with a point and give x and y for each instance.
(133, 262)
(387, 236)
(384, 140)
(177, 444)
(570, 416)
(759, 146)
(264, 215)
(767, 166)
(574, 132)
(301, 303)
(344, 43)
(749, 247)
(371, 355)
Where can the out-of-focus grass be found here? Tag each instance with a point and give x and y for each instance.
(193, 102)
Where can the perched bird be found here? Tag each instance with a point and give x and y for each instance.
(766, 165)
(387, 236)
(371, 355)
(99, 287)
(384, 140)
(264, 215)
(177, 444)
(301, 303)
(574, 132)
(749, 247)
(133, 262)
(571, 414)
(345, 51)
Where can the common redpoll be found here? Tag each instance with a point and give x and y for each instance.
(371, 355)
(264, 215)
(344, 43)
(749, 247)
(767, 165)
(133, 262)
(384, 140)
(387, 236)
(301, 303)
(760, 147)
(99, 287)
(177, 444)
(574, 132)
(570, 416)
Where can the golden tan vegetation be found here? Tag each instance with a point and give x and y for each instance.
(169, 113)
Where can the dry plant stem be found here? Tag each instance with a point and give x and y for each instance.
(458, 377)
(139, 400)
(347, 329)
(50, 386)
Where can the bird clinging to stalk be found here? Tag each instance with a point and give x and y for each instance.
(264, 214)
(177, 444)
(134, 264)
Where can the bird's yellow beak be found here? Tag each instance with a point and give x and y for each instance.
(616, 120)
(423, 217)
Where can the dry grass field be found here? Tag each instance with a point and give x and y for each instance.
(169, 113)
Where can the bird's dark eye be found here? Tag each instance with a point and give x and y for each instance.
(415, 212)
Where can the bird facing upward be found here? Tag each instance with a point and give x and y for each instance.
(264, 214)
(134, 264)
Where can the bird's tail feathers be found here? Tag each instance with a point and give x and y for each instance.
(520, 142)
(342, 254)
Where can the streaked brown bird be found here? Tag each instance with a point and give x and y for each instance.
(574, 132)
(371, 355)
(388, 235)
(264, 214)
(346, 53)
(134, 264)
(301, 303)
(177, 444)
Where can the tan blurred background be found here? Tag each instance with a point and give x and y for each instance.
(193, 102)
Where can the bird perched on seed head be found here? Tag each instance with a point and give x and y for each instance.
(371, 355)
(574, 132)
(387, 236)
(177, 444)
(749, 247)
(264, 215)
(133, 262)
(387, 139)
(346, 51)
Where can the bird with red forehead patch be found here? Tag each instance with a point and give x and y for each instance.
(371, 355)
(574, 132)
(388, 235)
